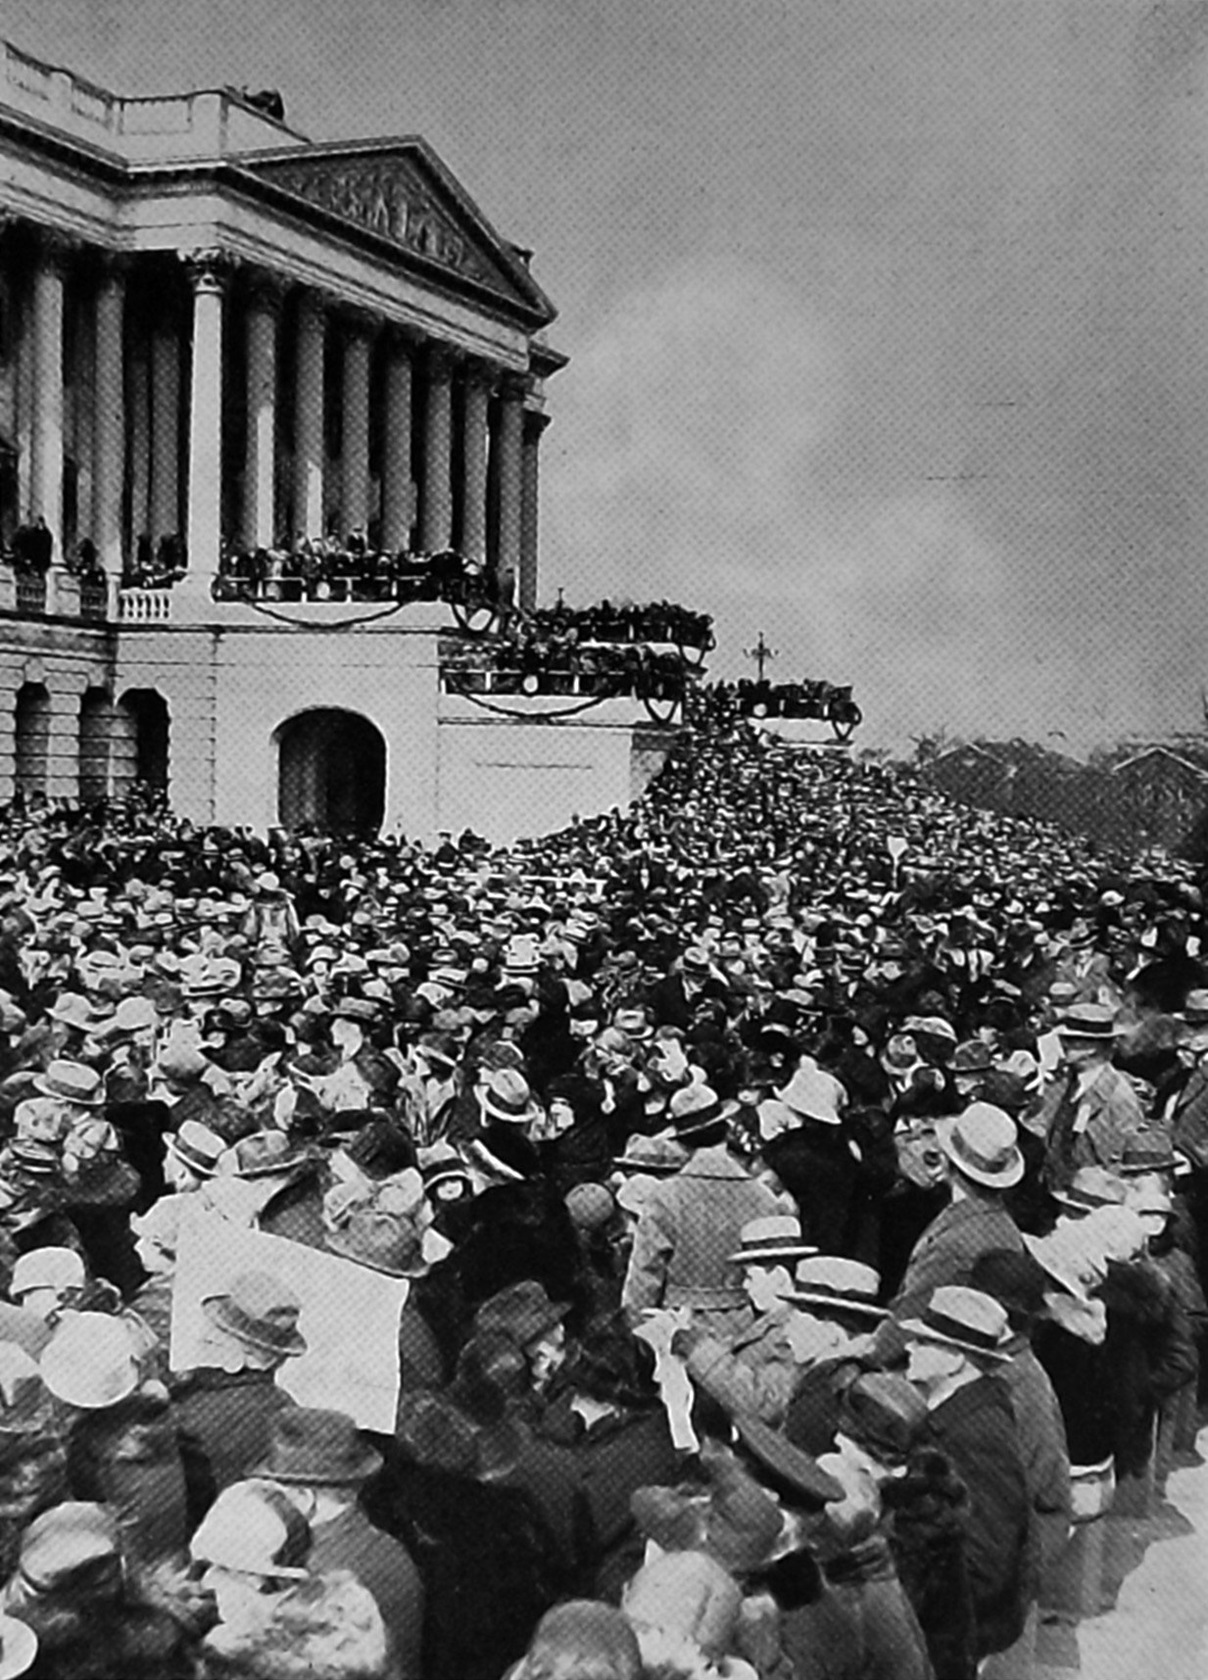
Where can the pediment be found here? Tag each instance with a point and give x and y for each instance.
(399, 192)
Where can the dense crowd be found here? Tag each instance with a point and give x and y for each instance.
(789, 1198)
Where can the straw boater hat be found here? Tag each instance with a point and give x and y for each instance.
(836, 1284)
(197, 1146)
(506, 1096)
(72, 1082)
(1091, 1023)
(768, 1241)
(962, 1318)
(695, 1108)
(982, 1144)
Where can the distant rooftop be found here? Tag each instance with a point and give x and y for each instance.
(208, 122)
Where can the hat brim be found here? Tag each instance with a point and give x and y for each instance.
(915, 1330)
(835, 1303)
(369, 1463)
(653, 1169)
(775, 1251)
(296, 1344)
(1004, 1179)
(45, 1089)
(194, 1166)
(1066, 1280)
(347, 1251)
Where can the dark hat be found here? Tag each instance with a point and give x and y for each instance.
(522, 1311)
(1017, 1280)
(789, 1471)
(884, 1413)
(1148, 1150)
(310, 1444)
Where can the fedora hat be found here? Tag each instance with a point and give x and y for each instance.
(884, 1413)
(72, 1009)
(385, 1242)
(311, 1444)
(72, 1082)
(695, 1108)
(769, 1240)
(813, 1094)
(660, 1155)
(1091, 1187)
(506, 1096)
(263, 1153)
(982, 1144)
(789, 1470)
(522, 1311)
(958, 1317)
(259, 1310)
(837, 1284)
(1195, 1008)
(1148, 1150)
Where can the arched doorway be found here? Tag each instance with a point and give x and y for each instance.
(96, 714)
(146, 736)
(331, 772)
(31, 718)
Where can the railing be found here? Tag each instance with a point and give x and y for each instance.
(31, 592)
(94, 600)
(145, 606)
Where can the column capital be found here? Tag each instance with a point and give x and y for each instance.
(266, 291)
(535, 422)
(514, 387)
(356, 322)
(400, 337)
(439, 360)
(482, 375)
(56, 250)
(209, 269)
(113, 266)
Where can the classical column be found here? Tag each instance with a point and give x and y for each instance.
(309, 443)
(397, 509)
(436, 498)
(354, 455)
(511, 420)
(534, 424)
(208, 272)
(109, 422)
(479, 379)
(260, 475)
(46, 479)
(165, 427)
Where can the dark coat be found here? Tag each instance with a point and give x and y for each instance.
(488, 1563)
(1149, 1354)
(928, 1518)
(975, 1428)
(224, 1421)
(383, 1564)
(945, 1252)
(610, 1461)
(816, 1165)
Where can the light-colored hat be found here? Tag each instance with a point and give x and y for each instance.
(259, 1310)
(47, 1268)
(75, 1010)
(1091, 1187)
(197, 1146)
(982, 1144)
(89, 1361)
(814, 1094)
(771, 1239)
(18, 1647)
(1093, 1022)
(72, 1082)
(695, 1107)
(506, 1096)
(962, 1318)
(1073, 1263)
(64, 1542)
(253, 1528)
(833, 1282)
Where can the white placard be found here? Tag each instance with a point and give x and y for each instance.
(350, 1315)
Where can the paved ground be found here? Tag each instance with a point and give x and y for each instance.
(1145, 1586)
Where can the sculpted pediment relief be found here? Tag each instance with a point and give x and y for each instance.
(399, 195)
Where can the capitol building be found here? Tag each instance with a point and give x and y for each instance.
(221, 338)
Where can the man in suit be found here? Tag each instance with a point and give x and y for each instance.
(1089, 1110)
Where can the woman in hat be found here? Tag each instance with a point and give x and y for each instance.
(70, 1589)
(279, 1616)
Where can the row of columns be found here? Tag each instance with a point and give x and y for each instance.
(153, 424)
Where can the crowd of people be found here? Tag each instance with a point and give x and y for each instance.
(788, 1196)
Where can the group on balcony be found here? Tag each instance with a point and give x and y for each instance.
(348, 569)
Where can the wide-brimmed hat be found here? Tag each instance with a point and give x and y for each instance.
(254, 1529)
(1091, 1187)
(695, 1108)
(967, 1319)
(90, 1362)
(789, 1470)
(884, 1413)
(982, 1144)
(506, 1096)
(313, 1445)
(813, 1094)
(1074, 1264)
(522, 1311)
(263, 1153)
(1093, 1022)
(385, 1242)
(260, 1310)
(767, 1241)
(197, 1146)
(1147, 1150)
(830, 1281)
(72, 1082)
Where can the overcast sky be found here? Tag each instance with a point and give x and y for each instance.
(886, 317)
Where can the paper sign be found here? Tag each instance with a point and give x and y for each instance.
(349, 1318)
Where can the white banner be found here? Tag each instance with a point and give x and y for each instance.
(349, 1318)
